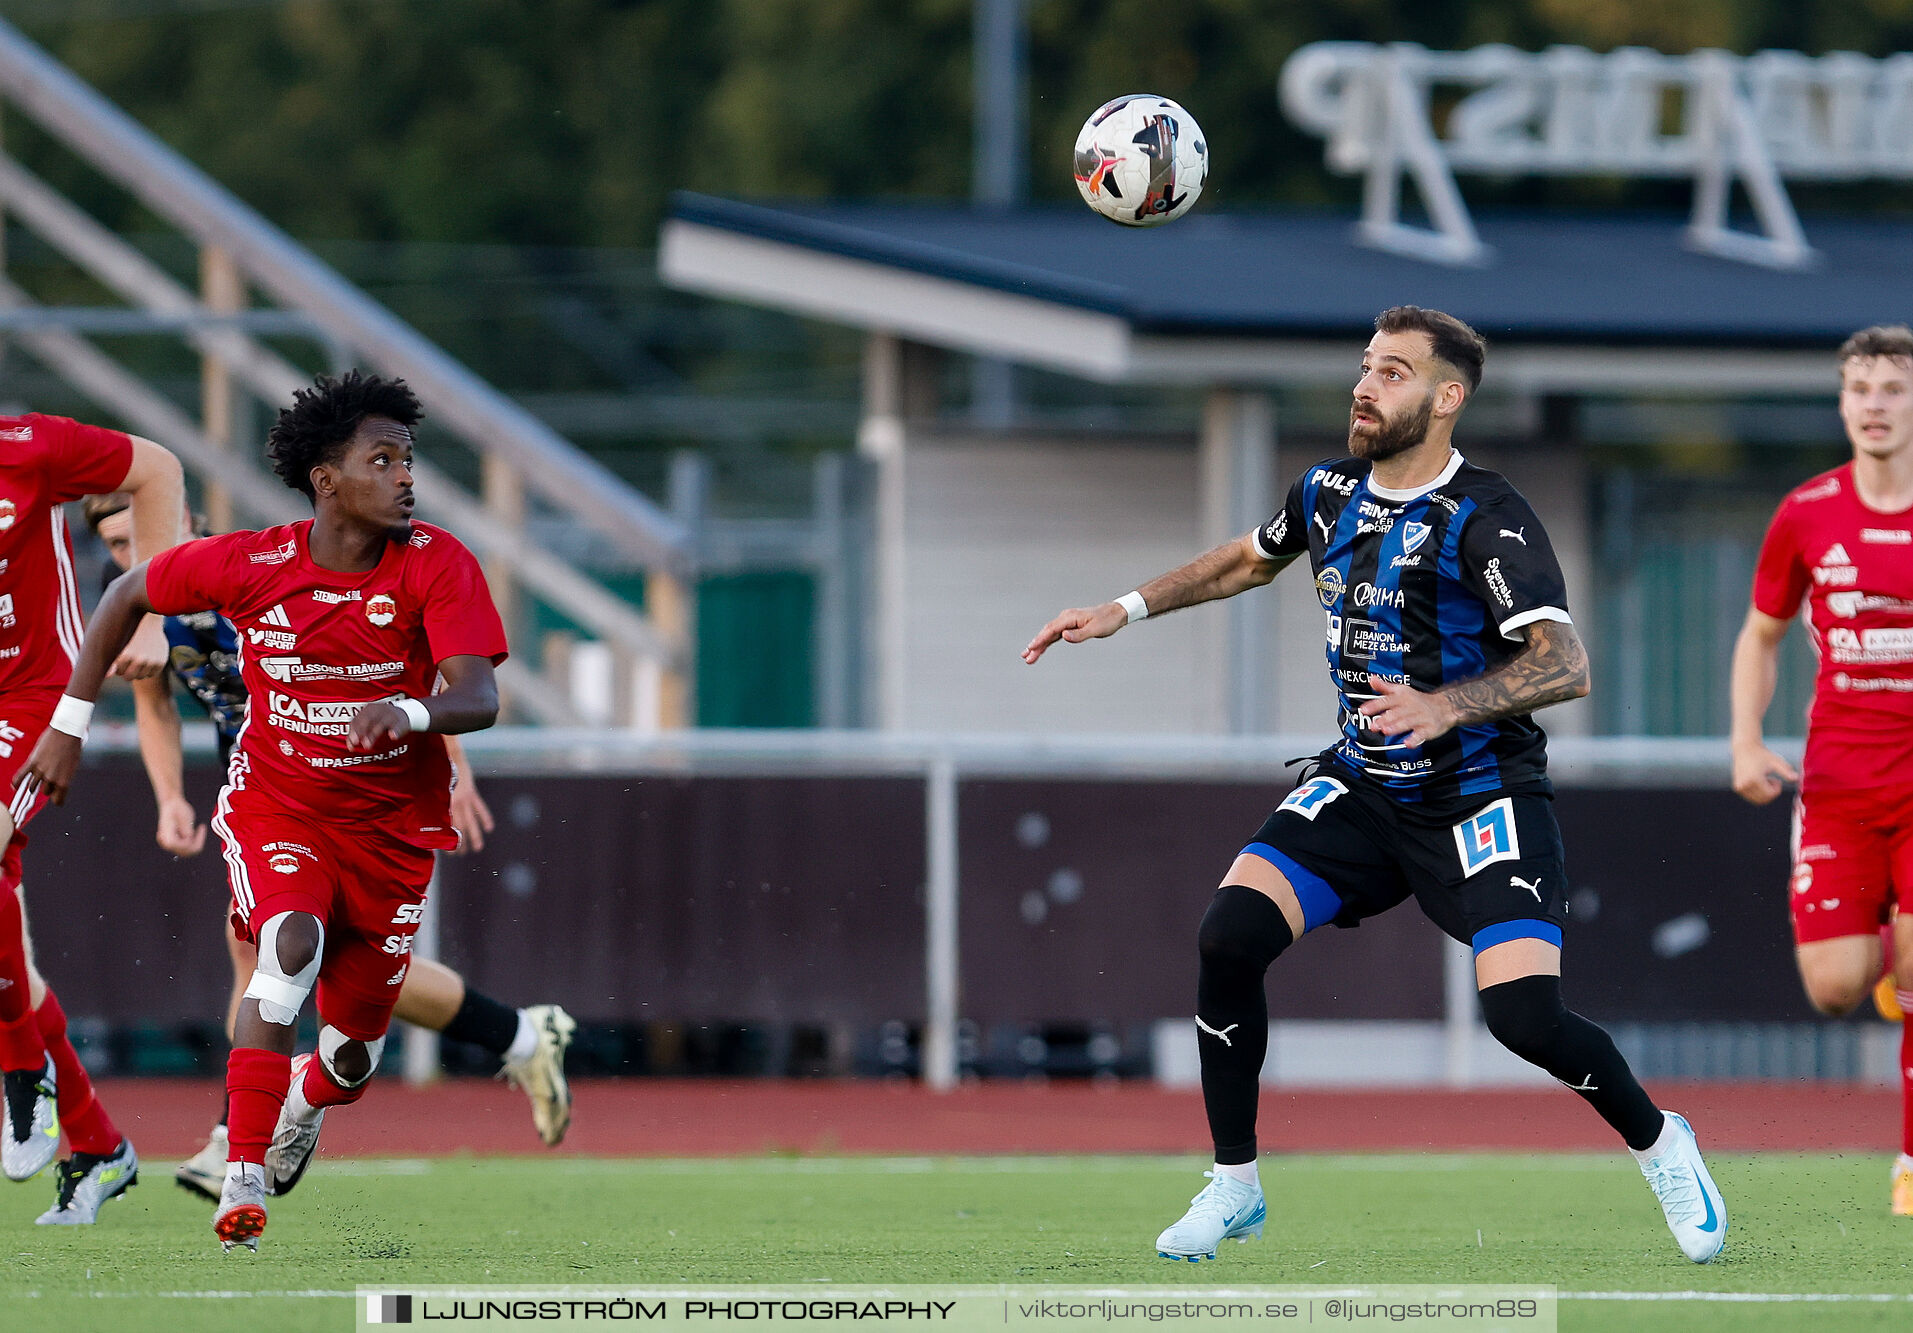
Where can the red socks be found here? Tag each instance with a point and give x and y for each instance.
(256, 1084)
(321, 1091)
(1906, 1074)
(88, 1127)
(20, 1044)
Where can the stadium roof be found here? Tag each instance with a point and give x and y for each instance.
(1573, 301)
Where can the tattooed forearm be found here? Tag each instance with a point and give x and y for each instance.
(1230, 568)
(1551, 669)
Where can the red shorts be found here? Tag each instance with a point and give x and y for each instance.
(1852, 860)
(24, 714)
(367, 887)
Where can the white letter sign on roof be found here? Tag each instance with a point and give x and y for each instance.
(1567, 111)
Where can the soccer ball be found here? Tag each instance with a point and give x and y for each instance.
(1141, 161)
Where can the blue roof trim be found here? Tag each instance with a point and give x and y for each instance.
(1555, 278)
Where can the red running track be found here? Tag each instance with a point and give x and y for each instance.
(694, 1118)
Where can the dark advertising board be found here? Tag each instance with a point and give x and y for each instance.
(800, 900)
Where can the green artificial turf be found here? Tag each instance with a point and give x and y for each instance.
(1801, 1225)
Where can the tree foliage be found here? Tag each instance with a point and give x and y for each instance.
(567, 122)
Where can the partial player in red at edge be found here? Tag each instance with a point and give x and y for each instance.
(1841, 545)
(44, 462)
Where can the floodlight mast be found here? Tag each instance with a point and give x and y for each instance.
(1710, 116)
(999, 168)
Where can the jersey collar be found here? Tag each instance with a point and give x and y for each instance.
(1455, 460)
(344, 578)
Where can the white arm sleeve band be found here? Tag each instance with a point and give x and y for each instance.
(415, 712)
(1554, 613)
(1133, 606)
(71, 716)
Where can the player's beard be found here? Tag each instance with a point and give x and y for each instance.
(1394, 435)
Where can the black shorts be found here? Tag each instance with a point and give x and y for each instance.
(1351, 852)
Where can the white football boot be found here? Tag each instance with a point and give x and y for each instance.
(296, 1137)
(1695, 1212)
(30, 1136)
(88, 1181)
(204, 1173)
(541, 1075)
(240, 1218)
(1227, 1208)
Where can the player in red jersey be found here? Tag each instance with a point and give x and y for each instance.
(339, 790)
(45, 461)
(530, 1042)
(1843, 544)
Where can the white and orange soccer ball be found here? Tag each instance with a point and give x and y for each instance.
(1141, 160)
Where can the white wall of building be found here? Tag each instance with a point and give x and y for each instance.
(1004, 532)
(983, 536)
(1001, 534)
(1554, 479)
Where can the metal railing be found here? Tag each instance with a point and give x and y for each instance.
(321, 302)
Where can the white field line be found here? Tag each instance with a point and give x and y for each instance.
(915, 1166)
(1747, 1297)
(1049, 1165)
(373, 1166)
(198, 1295)
(1032, 1164)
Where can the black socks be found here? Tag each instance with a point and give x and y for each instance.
(1242, 933)
(1526, 1015)
(485, 1022)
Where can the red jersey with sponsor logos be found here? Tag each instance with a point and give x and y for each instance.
(315, 646)
(1854, 567)
(45, 461)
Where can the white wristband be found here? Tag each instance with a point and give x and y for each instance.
(415, 713)
(1134, 607)
(71, 716)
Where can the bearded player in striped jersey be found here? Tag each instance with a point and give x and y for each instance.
(1841, 546)
(1447, 627)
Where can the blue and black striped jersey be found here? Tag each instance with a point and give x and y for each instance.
(1426, 587)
